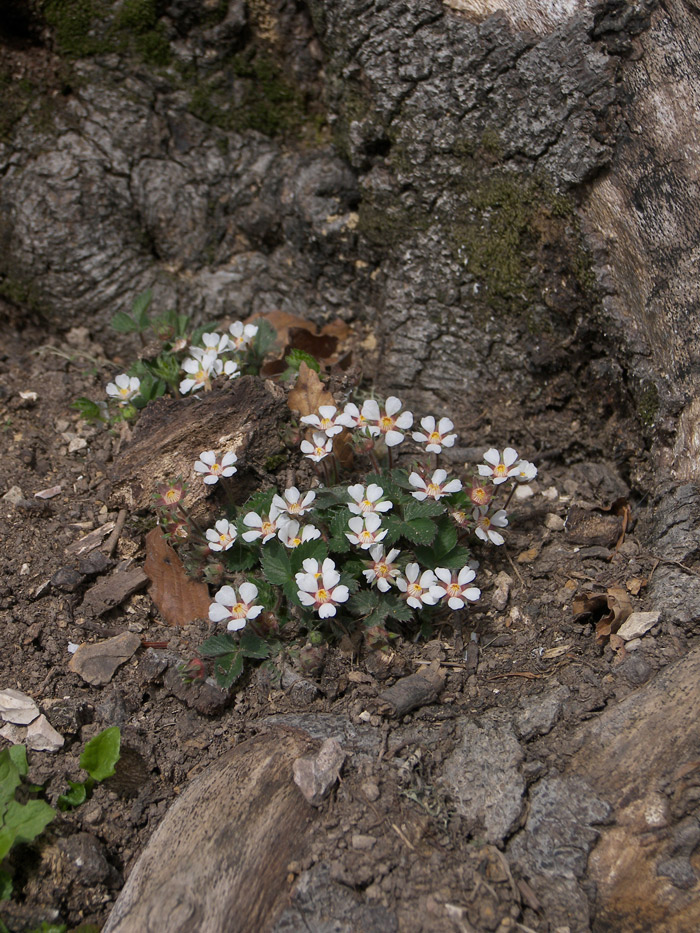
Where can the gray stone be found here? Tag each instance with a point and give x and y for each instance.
(679, 871)
(97, 663)
(482, 775)
(85, 856)
(539, 713)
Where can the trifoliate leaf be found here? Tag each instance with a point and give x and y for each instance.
(296, 357)
(394, 528)
(18, 754)
(275, 563)
(419, 530)
(89, 410)
(455, 559)
(218, 645)
(139, 309)
(228, 669)
(101, 754)
(328, 496)
(252, 646)
(240, 557)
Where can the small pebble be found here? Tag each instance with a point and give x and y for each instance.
(551, 494)
(370, 790)
(554, 522)
(362, 843)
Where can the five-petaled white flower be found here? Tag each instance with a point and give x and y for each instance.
(526, 471)
(320, 587)
(420, 588)
(242, 334)
(485, 524)
(389, 422)
(325, 421)
(291, 534)
(222, 536)
(352, 417)
(292, 503)
(262, 526)
(215, 343)
(321, 447)
(366, 530)
(435, 438)
(124, 388)
(369, 501)
(382, 569)
(200, 368)
(212, 469)
(235, 610)
(455, 586)
(499, 468)
(435, 488)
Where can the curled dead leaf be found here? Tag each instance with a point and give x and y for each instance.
(607, 611)
(179, 599)
(308, 393)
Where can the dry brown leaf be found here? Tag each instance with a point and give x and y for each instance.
(320, 346)
(556, 652)
(308, 393)
(179, 599)
(607, 610)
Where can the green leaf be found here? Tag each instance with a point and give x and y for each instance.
(428, 508)
(9, 777)
(101, 754)
(275, 563)
(252, 646)
(391, 489)
(394, 527)
(26, 821)
(228, 668)
(455, 559)
(265, 338)
(363, 602)
(88, 409)
(75, 796)
(240, 557)
(218, 645)
(339, 528)
(123, 323)
(5, 890)
(295, 358)
(260, 503)
(419, 530)
(291, 591)
(139, 309)
(399, 609)
(7, 837)
(18, 754)
(328, 496)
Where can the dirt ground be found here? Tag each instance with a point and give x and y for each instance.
(391, 834)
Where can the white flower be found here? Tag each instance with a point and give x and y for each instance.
(231, 369)
(386, 422)
(235, 610)
(321, 447)
(436, 488)
(318, 587)
(124, 388)
(242, 334)
(365, 530)
(498, 467)
(455, 587)
(291, 536)
(200, 368)
(420, 588)
(215, 343)
(435, 438)
(263, 526)
(325, 421)
(382, 569)
(484, 523)
(292, 503)
(222, 536)
(370, 501)
(351, 417)
(212, 468)
(526, 471)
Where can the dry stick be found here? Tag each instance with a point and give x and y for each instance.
(111, 544)
(510, 561)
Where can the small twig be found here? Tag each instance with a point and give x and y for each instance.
(515, 569)
(403, 837)
(111, 543)
(528, 674)
(666, 560)
(442, 663)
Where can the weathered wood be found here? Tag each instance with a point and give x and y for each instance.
(218, 861)
(642, 756)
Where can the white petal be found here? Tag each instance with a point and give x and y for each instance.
(443, 574)
(251, 535)
(510, 456)
(254, 612)
(445, 425)
(416, 480)
(306, 599)
(326, 610)
(210, 480)
(393, 404)
(370, 410)
(454, 485)
(492, 456)
(485, 470)
(405, 420)
(428, 424)
(466, 575)
(235, 625)
(218, 613)
(496, 538)
(310, 565)
(208, 457)
(253, 520)
(439, 477)
(340, 594)
(248, 592)
(356, 524)
(356, 492)
(454, 603)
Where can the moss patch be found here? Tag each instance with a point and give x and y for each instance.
(648, 405)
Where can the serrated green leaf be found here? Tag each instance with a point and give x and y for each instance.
(123, 323)
(290, 591)
(7, 837)
(328, 496)
(400, 610)
(363, 602)
(252, 646)
(385, 482)
(394, 527)
(208, 328)
(101, 754)
(5, 888)
(26, 821)
(275, 563)
(419, 530)
(75, 796)
(455, 559)
(228, 669)
(428, 508)
(296, 357)
(218, 645)
(260, 503)
(241, 557)
(88, 409)
(139, 309)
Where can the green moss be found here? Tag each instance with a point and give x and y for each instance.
(73, 23)
(491, 143)
(648, 405)
(21, 293)
(384, 221)
(276, 460)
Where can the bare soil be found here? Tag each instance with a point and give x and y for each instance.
(390, 832)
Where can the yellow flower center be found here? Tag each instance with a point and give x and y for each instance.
(326, 423)
(171, 496)
(366, 536)
(224, 539)
(433, 490)
(454, 589)
(500, 470)
(215, 468)
(239, 611)
(322, 596)
(268, 528)
(124, 391)
(435, 437)
(479, 495)
(366, 505)
(386, 423)
(293, 508)
(295, 542)
(415, 589)
(382, 570)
